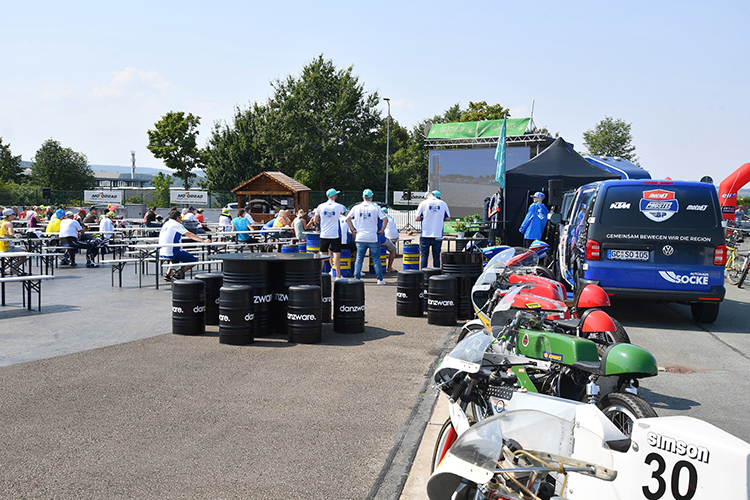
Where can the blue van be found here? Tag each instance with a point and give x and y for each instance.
(646, 239)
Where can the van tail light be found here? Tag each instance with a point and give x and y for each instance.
(593, 250)
(720, 255)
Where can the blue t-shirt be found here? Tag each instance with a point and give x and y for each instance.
(241, 224)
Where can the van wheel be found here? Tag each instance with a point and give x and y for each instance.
(705, 312)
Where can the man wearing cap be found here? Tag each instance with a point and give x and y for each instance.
(432, 213)
(535, 221)
(92, 217)
(70, 233)
(327, 216)
(6, 231)
(225, 219)
(106, 226)
(363, 221)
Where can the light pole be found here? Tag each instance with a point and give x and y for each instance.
(387, 147)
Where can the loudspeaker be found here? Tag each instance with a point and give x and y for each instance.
(406, 195)
(554, 192)
(46, 193)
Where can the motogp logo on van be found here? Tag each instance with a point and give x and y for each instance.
(659, 205)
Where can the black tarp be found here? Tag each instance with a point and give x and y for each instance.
(559, 161)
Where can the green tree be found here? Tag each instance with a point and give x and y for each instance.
(611, 137)
(409, 164)
(161, 182)
(61, 169)
(479, 111)
(236, 151)
(10, 166)
(321, 128)
(174, 141)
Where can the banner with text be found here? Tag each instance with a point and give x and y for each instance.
(102, 197)
(188, 197)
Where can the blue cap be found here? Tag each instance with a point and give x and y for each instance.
(538, 194)
(367, 193)
(59, 213)
(331, 193)
(437, 194)
(385, 209)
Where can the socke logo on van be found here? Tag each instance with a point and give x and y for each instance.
(659, 205)
(685, 279)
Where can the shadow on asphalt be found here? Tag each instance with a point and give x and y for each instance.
(19, 312)
(329, 337)
(664, 402)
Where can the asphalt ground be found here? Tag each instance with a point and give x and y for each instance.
(101, 400)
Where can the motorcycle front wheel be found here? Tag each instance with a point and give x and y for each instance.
(623, 408)
(445, 440)
(468, 331)
(605, 339)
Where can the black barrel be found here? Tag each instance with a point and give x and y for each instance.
(325, 296)
(304, 323)
(188, 307)
(236, 317)
(466, 267)
(441, 302)
(428, 272)
(409, 291)
(254, 270)
(349, 306)
(292, 269)
(213, 283)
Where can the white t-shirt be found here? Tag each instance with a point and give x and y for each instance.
(434, 212)
(106, 225)
(345, 234)
(329, 213)
(249, 218)
(365, 218)
(391, 231)
(189, 216)
(225, 222)
(69, 228)
(171, 232)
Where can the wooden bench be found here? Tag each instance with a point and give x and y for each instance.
(30, 283)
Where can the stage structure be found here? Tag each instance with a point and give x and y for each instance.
(462, 159)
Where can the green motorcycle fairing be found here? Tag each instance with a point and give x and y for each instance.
(565, 349)
(628, 359)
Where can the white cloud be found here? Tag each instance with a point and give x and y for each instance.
(133, 80)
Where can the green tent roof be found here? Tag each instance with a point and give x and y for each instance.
(473, 130)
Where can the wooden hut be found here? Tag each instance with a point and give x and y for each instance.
(268, 192)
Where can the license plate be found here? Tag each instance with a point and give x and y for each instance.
(641, 255)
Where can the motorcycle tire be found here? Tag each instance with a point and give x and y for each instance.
(605, 339)
(623, 408)
(543, 271)
(468, 331)
(446, 437)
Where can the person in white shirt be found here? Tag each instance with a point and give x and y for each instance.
(106, 227)
(70, 233)
(432, 212)
(363, 222)
(225, 220)
(172, 232)
(327, 215)
(391, 240)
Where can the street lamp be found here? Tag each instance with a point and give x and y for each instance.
(387, 147)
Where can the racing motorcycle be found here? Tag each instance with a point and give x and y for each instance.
(543, 295)
(548, 448)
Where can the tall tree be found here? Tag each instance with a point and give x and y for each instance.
(236, 151)
(611, 137)
(161, 182)
(479, 111)
(174, 141)
(10, 166)
(321, 127)
(61, 168)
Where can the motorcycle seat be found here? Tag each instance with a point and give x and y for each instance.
(621, 445)
(594, 367)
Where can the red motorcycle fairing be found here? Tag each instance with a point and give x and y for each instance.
(543, 287)
(532, 302)
(596, 320)
(592, 296)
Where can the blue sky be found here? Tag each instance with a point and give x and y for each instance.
(96, 76)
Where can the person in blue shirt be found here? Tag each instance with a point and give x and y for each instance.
(533, 225)
(241, 223)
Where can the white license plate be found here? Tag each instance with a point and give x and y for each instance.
(641, 255)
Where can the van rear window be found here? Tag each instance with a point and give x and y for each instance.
(659, 206)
